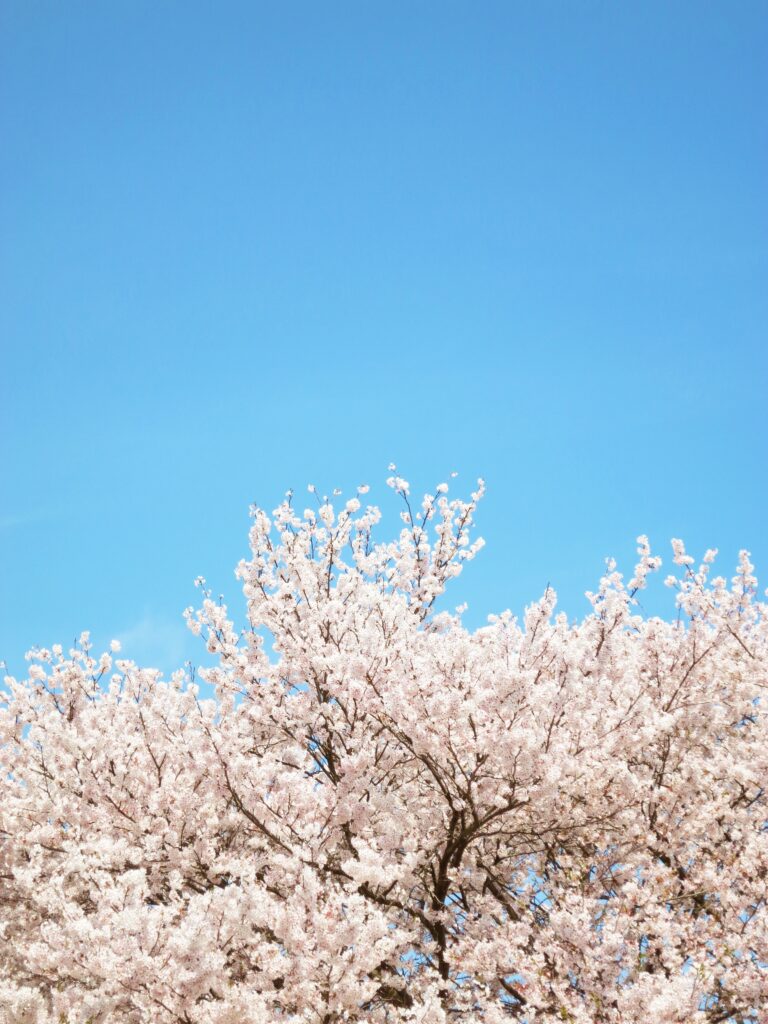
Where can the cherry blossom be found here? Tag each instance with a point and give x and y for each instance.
(380, 815)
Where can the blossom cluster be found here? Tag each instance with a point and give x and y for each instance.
(371, 813)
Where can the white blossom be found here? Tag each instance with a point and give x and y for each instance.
(365, 812)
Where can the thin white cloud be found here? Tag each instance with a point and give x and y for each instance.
(11, 520)
(156, 642)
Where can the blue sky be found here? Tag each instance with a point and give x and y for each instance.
(249, 246)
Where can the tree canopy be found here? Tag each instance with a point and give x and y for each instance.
(380, 815)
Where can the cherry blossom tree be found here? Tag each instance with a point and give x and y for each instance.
(383, 816)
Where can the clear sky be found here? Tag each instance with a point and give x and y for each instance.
(248, 246)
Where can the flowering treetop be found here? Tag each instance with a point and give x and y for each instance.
(383, 816)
